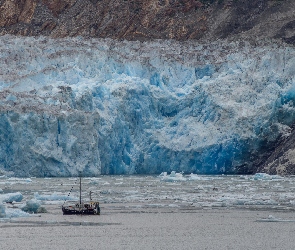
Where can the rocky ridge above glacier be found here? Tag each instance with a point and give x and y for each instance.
(150, 19)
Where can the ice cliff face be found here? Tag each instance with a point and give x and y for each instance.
(107, 107)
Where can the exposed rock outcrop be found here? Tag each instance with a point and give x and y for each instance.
(282, 159)
(150, 19)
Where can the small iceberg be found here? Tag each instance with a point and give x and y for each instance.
(172, 177)
(32, 206)
(11, 197)
(7, 213)
(195, 177)
(265, 177)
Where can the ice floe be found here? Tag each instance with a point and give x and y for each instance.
(54, 197)
(264, 176)
(173, 176)
(32, 206)
(11, 197)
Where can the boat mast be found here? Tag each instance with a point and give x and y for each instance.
(80, 188)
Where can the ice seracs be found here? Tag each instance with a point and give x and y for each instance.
(122, 107)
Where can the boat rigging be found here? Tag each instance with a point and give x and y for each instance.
(90, 208)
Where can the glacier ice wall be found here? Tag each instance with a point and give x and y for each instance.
(119, 107)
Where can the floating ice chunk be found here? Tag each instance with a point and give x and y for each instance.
(54, 197)
(173, 174)
(264, 176)
(32, 206)
(2, 211)
(22, 180)
(11, 212)
(73, 179)
(11, 197)
(163, 174)
(173, 205)
(271, 218)
(195, 177)
(243, 177)
(173, 177)
(240, 202)
(277, 177)
(15, 213)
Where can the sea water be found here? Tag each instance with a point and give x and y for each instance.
(146, 192)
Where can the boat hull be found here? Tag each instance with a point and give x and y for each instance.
(80, 209)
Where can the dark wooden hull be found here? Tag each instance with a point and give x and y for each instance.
(85, 209)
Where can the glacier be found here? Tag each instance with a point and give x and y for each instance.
(105, 106)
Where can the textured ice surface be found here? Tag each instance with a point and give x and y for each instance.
(11, 197)
(263, 176)
(173, 176)
(101, 106)
(31, 206)
(11, 212)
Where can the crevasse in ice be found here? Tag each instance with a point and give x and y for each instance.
(119, 107)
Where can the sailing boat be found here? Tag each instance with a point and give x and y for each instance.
(90, 208)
